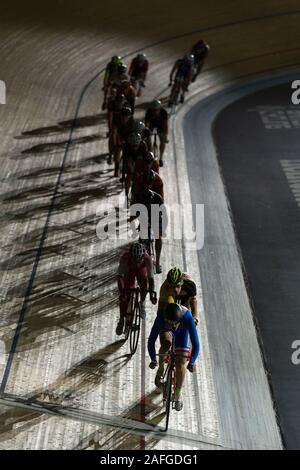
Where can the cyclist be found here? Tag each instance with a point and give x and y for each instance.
(120, 131)
(149, 198)
(153, 181)
(176, 320)
(200, 51)
(129, 91)
(110, 71)
(143, 165)
(135, 264)
(114, 109)
(183, 70)
(138, 71)
(180, 287)
(157, 118)
(133, 148)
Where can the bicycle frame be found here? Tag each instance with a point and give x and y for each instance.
(169, 379)
(177, 85)
(133, 317)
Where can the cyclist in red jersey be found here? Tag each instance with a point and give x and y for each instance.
(138, 70)
(143, 165)
(129, 91)
(153, 181)
(135, 265)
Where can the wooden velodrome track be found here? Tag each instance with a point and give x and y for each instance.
(57, 288)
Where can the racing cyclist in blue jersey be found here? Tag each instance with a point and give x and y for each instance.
(176, 321)
(183, 70)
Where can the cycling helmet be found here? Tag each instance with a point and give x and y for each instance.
(149, 158)
(138, 126)
(137, 250)
(189, 58)
(200, 43)
(116, 60)
(141, 57)
(175, 276)
(156, 104)
(126, 111)
(134, 139)
(173, 312)
(122, 68)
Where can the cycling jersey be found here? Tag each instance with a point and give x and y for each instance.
(200, 52)
(157, 120)
(156, 184)
(184, 68)
(187, 291)
(132, 153)
(136, 67)
(130, 270)
(152, 199)
(186, 330)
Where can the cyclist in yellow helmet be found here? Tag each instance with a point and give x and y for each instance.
(182, 289)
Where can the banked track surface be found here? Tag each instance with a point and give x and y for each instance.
(26, 225)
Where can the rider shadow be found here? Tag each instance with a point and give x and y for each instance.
(80, 379)
(65, 201)
(18, 420)
(62, 126)
(43, 172)
(57, 147)
(84, 121)
(119, 439)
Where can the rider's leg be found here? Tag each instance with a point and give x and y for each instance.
(117, 157)
(129, 176)
(162, 146)
(165, 344)
(123, 305)
(182, 349)
(158, 247)
(143, 283)
(180, 371)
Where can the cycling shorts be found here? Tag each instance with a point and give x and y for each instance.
(182, 339)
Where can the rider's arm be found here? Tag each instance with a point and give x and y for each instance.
(172, 71)
(156, 327)
(122, 273)
(150, 273)
(194, 307)
(131, 68)
(147, 118)
(193, 336)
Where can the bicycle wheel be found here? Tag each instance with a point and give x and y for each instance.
(135, 328)
(129, 317)
(168, 393)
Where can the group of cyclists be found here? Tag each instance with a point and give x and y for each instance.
(130, 142)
